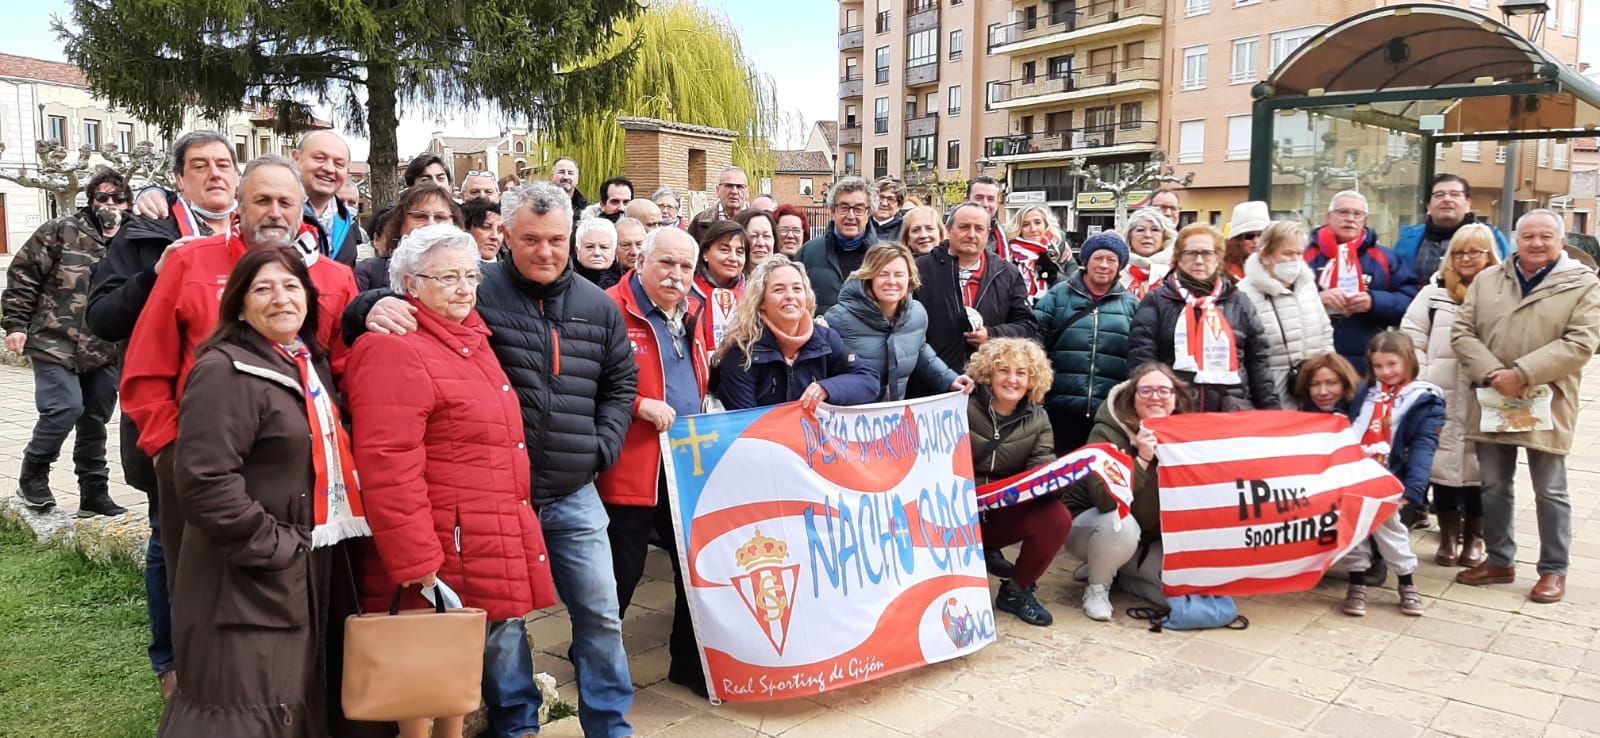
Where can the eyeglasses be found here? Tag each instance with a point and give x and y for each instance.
(1349, 214)
(454, 279)
(437, 217)
(733, 185)
(1155, 393)
(790, 232)
(105, 197)
(1452, 194)
(1469, 254)
(1199, 255)
(856, 210)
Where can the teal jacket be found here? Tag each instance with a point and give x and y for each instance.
(1090, 356)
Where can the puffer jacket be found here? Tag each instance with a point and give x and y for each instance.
(1005, 446)
(443, 468)
(1002, 301)
(1293, 321)
(1412, 237)
(1391, 283)
(1152, 341)
(898, 350)
(1090, 492)
(1418, 415)
(769, 380)
(47, 293)
(1090, 356)
(1547, 336)
(1428, 322)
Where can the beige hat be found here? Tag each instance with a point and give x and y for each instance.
(1249, 217)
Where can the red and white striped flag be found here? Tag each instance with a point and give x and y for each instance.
(1265, 501)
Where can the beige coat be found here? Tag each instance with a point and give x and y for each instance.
(1428, 322)
(1547, 336)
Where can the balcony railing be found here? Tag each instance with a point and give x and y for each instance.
(1104, 75)
(1082, 140)
(1063, 21)
(923, 19)
(927, 125)
(925, 73)
(851, 38)
(881, 25)
(918, 171)
(850, 86)
(850, 135)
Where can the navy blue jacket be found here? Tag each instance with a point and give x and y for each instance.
(1416, 438)
(769, 380)
(1392, 290)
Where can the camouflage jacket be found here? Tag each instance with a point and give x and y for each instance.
(47, 292)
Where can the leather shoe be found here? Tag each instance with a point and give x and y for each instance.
(1551, 588)
(1487, 573)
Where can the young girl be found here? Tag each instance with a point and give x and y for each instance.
(1398, 419)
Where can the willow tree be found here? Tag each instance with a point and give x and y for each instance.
(367, 59)
(690, 68)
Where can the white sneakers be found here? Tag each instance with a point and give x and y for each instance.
(1097, 602)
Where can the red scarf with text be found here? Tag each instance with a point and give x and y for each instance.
(1376, 440)
(1343, 270)
(1203, 340)
(339, 513)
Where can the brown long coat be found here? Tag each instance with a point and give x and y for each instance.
(250, 598)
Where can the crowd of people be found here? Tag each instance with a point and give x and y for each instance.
(478, 402)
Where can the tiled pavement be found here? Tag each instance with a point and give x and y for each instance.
(1482, 662)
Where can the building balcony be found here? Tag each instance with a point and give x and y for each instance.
(849, 86)
(850, 135)
(925, 73)
(927, 125)
(921, 17)
(918, 172)
(1133, 76)
(1097, 21)
(851, 39)
(1101, 140)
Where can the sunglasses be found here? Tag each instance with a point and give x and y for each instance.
(105, 197)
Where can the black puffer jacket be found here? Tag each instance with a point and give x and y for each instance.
(1152, 341)
(1002, 301)
(566, 351)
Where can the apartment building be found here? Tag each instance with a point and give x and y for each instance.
(1019, 89)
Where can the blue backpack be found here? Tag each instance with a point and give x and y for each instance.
(1193, 612)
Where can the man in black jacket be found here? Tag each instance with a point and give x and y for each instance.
(960, 274)
(563, 344)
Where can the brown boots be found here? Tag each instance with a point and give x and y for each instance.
(1472, 553)
(1449, 537)
(1468, 534)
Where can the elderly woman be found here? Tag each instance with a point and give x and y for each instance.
(482, 219)
(760, 236)
(441, 455)
(719, 281)
(1130, 557)
(420, 205)
(1039, 249)
(1010, 435)
(1085, 323)
(1149, 235)
(1284, 292)
(1457, 491)
(882, 325)
(794, 229)
(773, 352)
(594, 252)
(267, 483)
(1197, 323)
(922, 229)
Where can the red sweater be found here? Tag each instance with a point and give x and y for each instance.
(182, 312)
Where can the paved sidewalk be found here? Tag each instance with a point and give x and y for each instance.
(1482, 662)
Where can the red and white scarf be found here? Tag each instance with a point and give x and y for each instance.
(1025, 255)
(1202, 339)
(339, 513)
(718, 310)
(1378, 437)
(1343, 270)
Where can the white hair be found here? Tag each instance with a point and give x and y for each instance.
(417, 248)
(649, 245)
(1561, 223)
(663, 192)
(1333, 204)
(590, 225)
(540, 197)
(625, 220)
(1153, 215)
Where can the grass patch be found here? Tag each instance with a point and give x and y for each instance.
(560, 709)
(72, 644)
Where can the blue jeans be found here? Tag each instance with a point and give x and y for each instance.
(156, 600)
(580, 563)
(509, 693)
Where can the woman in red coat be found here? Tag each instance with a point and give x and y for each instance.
(440, 446)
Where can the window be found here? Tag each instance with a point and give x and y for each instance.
(1399, 145)
(58, 129)
(91, 134)
(911, 106)
(922, 47)
(1191, 141)
(930, 104)
(520, 146)
(265, 144)
(1544, 152)
(125, 137)
(880, 163)
(1440, 150)
(1550, 18)
(1237, 3)
(952, 153)
(919, 153)
(1030, 72)
(852, 68)
(1500, 154)
(883, 15)
(850, 163)
(883, 65)
(1131, 115)
(1284, 43)
(1561, 155)
(1238, 137)
(1196, 7)
(1480, 4)
(1470, 151)
(954, 97)
(807, 187)
(850, 117)
(239, 154)
(1569, 18)
(880, 115)
(993, 96)
(955, 44)
(1133, 55)
(1246, 60)
(1194, 67)
(1060, 66)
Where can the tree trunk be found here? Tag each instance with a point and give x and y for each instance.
(383, 155)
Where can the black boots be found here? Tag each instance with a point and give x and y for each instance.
(33, 486)
(95, 499)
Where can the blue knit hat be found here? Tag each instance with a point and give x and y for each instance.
(1105, 240)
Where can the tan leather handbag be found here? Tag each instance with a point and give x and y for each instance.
(413, 664)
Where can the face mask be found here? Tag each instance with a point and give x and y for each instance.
(1286, 271)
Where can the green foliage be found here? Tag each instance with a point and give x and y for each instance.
(72, 652)
(523, 58)
(690, 69)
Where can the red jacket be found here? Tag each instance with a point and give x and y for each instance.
(632, 481)
(181, 313)
(445, 476)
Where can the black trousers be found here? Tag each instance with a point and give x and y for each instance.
(631, 530)
(66, 401)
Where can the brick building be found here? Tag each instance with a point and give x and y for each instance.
(688, 158)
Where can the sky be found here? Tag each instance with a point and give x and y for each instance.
(794, 43)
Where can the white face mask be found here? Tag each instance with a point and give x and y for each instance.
(1287, 271)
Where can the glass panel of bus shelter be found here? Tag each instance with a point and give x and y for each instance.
(1318, 154)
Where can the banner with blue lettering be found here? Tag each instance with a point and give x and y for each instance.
(828, 549)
